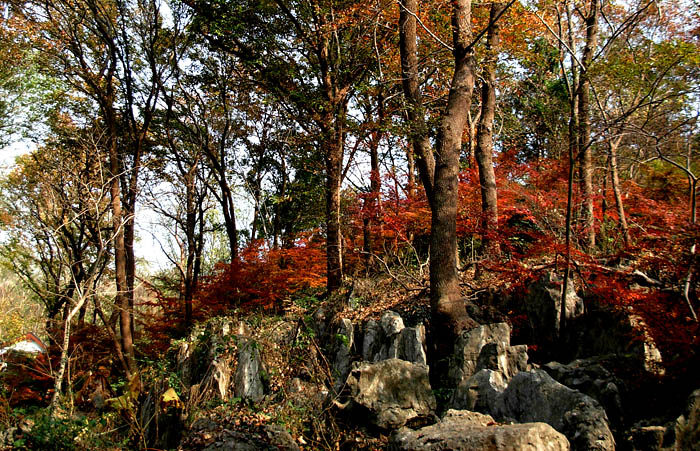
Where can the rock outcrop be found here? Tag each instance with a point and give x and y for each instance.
(388, 338)
(591, 378)
(533, 396)
(543, 306)
(392, 392)
(222, 360)
(486, 347)
(471, 431)
(688, 425)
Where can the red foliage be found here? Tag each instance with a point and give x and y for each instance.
(263, 277)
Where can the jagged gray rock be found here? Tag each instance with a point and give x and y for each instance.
(388, 338)
(392, 391)
(543, 305)
(343, 344)
(533, 396)
(591, 378)
(412, 345)
(479, 393)
(499, 355)
(688, 425)
(471, 431)
(249, 371)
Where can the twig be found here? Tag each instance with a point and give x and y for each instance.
(392, 275)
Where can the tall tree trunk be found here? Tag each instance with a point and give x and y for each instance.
(120, 256)
(584, 132)
(440, 175)
(484, 143)
(229, 212)
(617, 191)
(411, 169)
(334, 163)
(281, 193)
(372, 203)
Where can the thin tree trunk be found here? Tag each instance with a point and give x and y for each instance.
(484, 143)
(334, 255)
(584, 133)
(120, 256)
(617, 191)
(63, 361)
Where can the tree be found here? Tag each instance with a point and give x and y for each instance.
(58, 225)
(310, 56)
(484, 146)
(439, 168)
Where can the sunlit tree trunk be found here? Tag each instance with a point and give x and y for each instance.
(617, 190)
(584, 126)
(484, 142)
(440, 172)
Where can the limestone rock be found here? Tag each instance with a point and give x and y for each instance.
(606, 330)
(392, 391)
(468, 347)
(479, 393)
(590, 377)
(688, 425)
(533, 396)
(390, 339)
(343, 344)
(543, 304)
(467, 431)
(412, 345)
(249, 371)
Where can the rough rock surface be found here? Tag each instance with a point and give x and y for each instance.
(464, 430)
(388, 338)
(479, 393)
(392, 391)
(590, 377)
(543, 305)
(468, 347)
(688, 425)
(343, 344)
(534, 396)
(249, 371)
(486, 347)
(271, 438)
(606, 330)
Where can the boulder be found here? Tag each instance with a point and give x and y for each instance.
(533, 396)
(270, 438)
(249, 383)
(412, 345)
(647, 438)
(466, 431)
(479, 393)
(610, 330)
(393, 392)
(542, 305)
(388, 338)
(590, 377)
(688, 425)
(508, 360)
(468, 347)
(344, 342)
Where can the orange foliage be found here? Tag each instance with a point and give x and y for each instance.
(263, 277)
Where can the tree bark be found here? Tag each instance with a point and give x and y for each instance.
(120, 258)
(584, 132)
(612, 147)
(334, 162)
(440, 173)
(484, 142)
